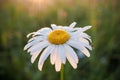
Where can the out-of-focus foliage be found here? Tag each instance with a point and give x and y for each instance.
(16, 22)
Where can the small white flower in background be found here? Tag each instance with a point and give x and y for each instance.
(58, 42)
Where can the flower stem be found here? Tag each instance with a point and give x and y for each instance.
(62, 72)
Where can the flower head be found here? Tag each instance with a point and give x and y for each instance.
(58, 42)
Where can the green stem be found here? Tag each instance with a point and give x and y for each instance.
(62, 72)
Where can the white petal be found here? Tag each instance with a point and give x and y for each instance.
(81, 48)
(34, 56)
(79, 34)
(38, 38)
(68, 29)
(83, 40)
(84, 35)
(39, 46)
(44, 31)
(54, 26)
(72, 25)
(71, 53)
(86, 45)
(71, 60)
(45, 54)
(29, 45)
(40, 66)
(34, 42)
(30, 34)
(57, 62)
(61, 52)
(52, 58)
(76, 34)
(53, 55)
(85, 51)
(83, 29)
(81, 44)
(33, 34)
(86, 28)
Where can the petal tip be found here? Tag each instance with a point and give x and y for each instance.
(53, 25)
(25, 48)
(40, 66)
(32, 61)
(75, 67)
(88, 56)
(89, 26)
(57, 70)
(72, 25)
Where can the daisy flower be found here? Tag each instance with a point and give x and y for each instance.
(59, 42)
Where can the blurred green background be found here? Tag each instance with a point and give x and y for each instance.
(20, 17)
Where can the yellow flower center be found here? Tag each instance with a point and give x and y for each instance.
(58, 36)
